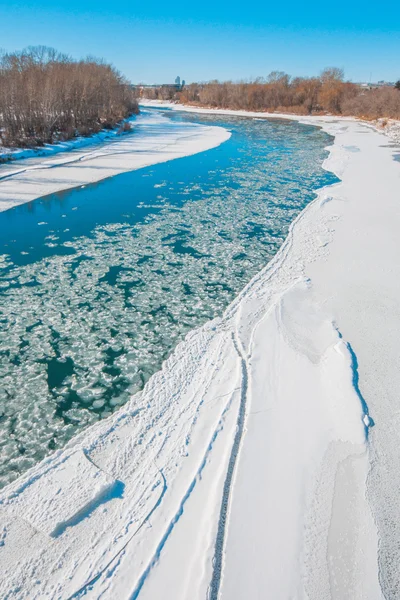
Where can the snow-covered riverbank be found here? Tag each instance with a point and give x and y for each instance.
(105, 135)
(244, 467)
(389, 127)
(155, 139)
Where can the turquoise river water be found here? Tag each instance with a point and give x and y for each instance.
(98, 285)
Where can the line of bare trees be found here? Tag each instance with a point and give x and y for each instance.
(46, 96)
(328, 93)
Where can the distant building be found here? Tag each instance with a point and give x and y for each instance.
(177, 86)
(374, 86)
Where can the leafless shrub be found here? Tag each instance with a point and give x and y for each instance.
(46, 96)
(374, 104)
(126, 127)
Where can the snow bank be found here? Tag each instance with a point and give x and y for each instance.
(154, 139)
(11, 154)
(391, 127)
(66, 493)
(243, 464)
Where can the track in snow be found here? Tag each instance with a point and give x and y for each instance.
(213, 590)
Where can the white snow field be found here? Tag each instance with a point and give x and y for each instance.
(248, 467)
(154, 139)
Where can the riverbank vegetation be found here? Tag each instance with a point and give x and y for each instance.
(46, 96)
(327, 93)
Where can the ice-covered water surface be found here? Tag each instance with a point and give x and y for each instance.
(99, 284)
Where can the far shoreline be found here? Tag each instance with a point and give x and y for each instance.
(391, 129)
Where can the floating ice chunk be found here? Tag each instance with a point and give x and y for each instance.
(98, 404)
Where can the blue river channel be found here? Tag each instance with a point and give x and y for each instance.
(99, 284)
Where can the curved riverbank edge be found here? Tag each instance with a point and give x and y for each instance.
(155, 139)
(389, 127)
(243, 469)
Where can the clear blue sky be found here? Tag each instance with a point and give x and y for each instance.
(155, 41)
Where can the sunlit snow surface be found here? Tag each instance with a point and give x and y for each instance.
(99, 284)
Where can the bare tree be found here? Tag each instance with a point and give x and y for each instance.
(302, 95)
(46, 96)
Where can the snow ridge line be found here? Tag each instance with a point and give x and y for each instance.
(214, 587)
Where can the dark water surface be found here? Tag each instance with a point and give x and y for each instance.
(98, 284)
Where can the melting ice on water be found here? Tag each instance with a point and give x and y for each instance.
(80, 333)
